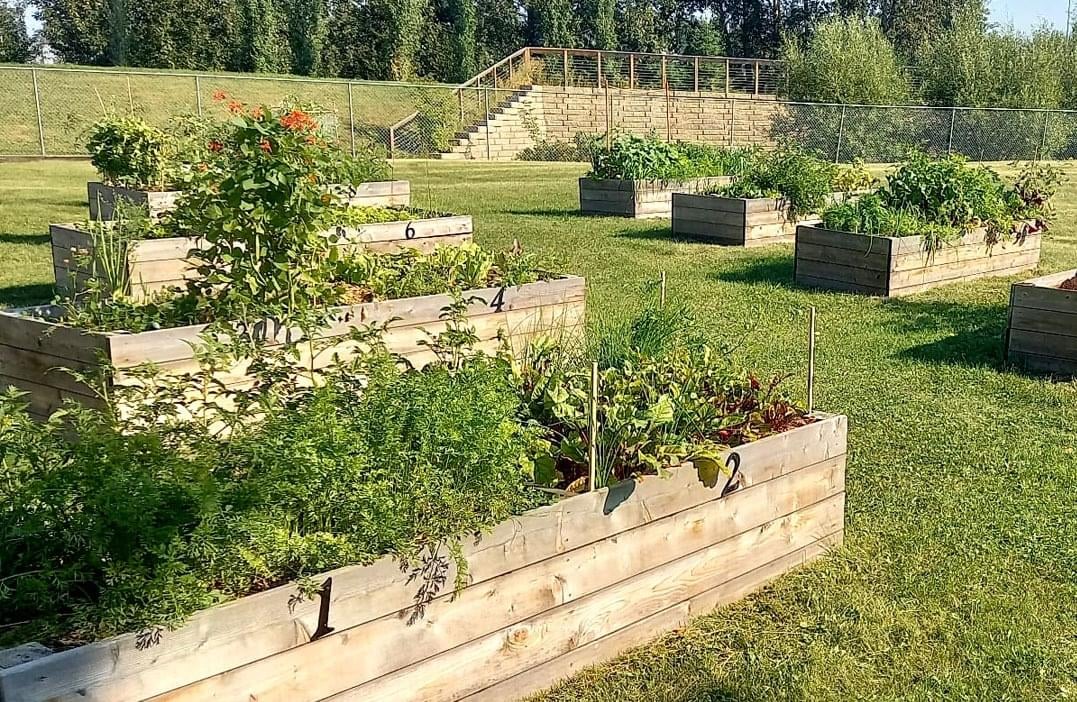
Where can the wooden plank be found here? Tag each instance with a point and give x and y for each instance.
(718, 233)
(497, 656)
(695, 214)
(251, 628)
(403, 231)
(933, 276)
(1043, 344)
(565, 666)
(43, 368)
(426, 245)
(1065, 367)
(709, 203)
(1051, 281)
(809, 281)
(21, 331)
(874, 260)
(1047, 321)
(862, 277)
(44, 399)
(1037, 296)
(964, 253)
(844, 240)
(356, 656)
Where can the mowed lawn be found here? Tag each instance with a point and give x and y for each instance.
(958, 578)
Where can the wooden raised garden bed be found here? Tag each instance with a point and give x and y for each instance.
(103, 200)
(549, 592)
(739, 221)
(641, 199)
(157, 264)
(103, 197)
(1042, 331)
(33, 348)
(893, 266)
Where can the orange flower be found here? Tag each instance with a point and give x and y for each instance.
(297, 120)
(311, 139)
(257, 113)
(215, 146)
(265, 146)
(219, 96)
(235, 106)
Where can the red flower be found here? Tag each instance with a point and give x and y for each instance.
(215, 146)
(219, 96)
(257, 113)
(265, 146)
(297, 120)
(235, 106)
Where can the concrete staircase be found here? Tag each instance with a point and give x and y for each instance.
(513, 125)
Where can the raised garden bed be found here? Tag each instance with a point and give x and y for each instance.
(34, 346)
(103, 197)
(894, 266)
(548, 592)
(738, 221)
(1042, 331)
(158, 264)
(641, 199)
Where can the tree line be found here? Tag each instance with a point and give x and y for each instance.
(935, 51)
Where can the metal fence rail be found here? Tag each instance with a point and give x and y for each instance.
(532, 114)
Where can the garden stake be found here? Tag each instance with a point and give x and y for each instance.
(592, 428)
(811, 360)
(662, 294)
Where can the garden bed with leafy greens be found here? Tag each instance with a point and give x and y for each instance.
(768, 200)
(343, 524)
(637, 176)
(146, 166)
(937, 221)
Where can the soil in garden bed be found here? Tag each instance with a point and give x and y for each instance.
(1070, 284)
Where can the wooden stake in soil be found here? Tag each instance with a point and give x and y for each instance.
(662, 296)
(811, 360)
(592, 429)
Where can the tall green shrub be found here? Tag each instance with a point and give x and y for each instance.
(551, 23)
(848, 60)
(15, 43)
(464, 28)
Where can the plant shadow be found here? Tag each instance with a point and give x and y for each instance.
(26, 295)
(658, 232)
(12, 238)
(976, 338)
(547, 212)
(772, 270)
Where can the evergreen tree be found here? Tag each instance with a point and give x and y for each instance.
(551, 23)
(265, 47)
(307, 26)
(464, 29)
(598, 28)
(16, 45)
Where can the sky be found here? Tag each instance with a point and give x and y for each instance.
(1025, 14)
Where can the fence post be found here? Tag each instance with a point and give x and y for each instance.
(696, 81)
(564, 64)
(609, 109)
(598, 74)
(130, 95)
(460, 101)
(841, 135)
(198, 94)
(631, 71)
(392, 143)
(755, 68)
(732, 119)
(1043, 142)
(40, 120)
(727, 77)
(669, 125)
(351, 119)
(950, 139)
(665, 82)
(486, 99)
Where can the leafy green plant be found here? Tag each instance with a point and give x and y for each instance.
(631, 157)
(852, 178)
(357, 216)
(129, 152)
(803, 181)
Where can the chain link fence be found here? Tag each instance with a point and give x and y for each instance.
(533, 114)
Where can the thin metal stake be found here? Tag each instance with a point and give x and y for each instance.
(811, 361)
(351, 119)
(40, 119)
(198, 94)
(592, 429)
(662, 296)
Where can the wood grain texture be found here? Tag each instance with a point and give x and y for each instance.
(640, 199)
(1041, 334)
(894, 266)
(549, 559)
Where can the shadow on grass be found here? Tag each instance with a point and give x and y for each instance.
(26, 295)
(976, 331)
(772, 270)
(547, 212)
(10, 238)
(659, 232)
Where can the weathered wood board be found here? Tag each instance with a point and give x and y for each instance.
(33, 349)
(1042, 331)
(549, 591)
(895, 266)
(102, 197)
(739, 221)
(640, 199)
(159, 264)
(102, 200)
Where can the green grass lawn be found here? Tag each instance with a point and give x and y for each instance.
(958, 578)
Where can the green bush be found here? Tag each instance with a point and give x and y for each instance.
(631, 157)
(803, 181)
(847, 60)
(129, 152)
